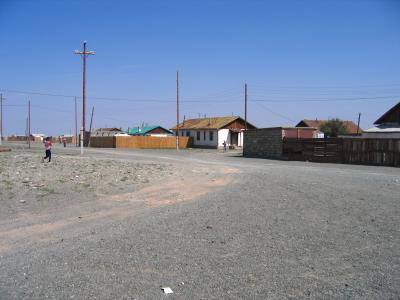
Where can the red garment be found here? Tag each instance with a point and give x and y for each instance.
(47, 145)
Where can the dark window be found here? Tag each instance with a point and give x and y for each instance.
(204, 135)
(211, 135)
(182, 134)
(198, 135)
(187, 133)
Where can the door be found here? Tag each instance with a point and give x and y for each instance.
(234, 138)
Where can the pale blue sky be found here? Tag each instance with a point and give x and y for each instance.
(301, 59)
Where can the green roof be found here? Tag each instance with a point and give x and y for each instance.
(144, 130)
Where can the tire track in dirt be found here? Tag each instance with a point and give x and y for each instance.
(110, 208)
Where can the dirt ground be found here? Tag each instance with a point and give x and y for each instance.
(122, 224)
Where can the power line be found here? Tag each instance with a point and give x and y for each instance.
(329, 99)
(205, 101)
(274, 112)
(325, 86)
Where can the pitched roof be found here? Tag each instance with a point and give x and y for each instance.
(144, 130)
(208, 123)
(391, 116)
(108, 129)
(350, 125)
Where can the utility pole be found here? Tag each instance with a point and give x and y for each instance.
(1, 118)
(245, 106)
(84, 53)
(177, 110)
(358, 123)
(76, 126)
(29, 123)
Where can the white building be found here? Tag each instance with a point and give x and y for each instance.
(212, 132)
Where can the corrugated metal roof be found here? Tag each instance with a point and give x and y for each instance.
(384, 128)
(207, 123)
(144, 130)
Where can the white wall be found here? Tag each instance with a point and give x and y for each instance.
(223, 135)
(160, 134)
(240, 139)
(202, 142)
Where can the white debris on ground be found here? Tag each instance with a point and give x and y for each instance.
(167, 290)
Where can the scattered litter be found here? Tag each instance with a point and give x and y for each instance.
(167, 290)
(22, 201)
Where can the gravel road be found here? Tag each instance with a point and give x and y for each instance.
(122, 224)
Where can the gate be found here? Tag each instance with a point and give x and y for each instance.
(316, 150)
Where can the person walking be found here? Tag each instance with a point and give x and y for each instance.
(224, 143)
(47, 146)
(65, 141)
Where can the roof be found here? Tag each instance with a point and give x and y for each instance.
(391, 116)
(108, 129)
(144, 130)
(208, 123)
(384, 128)
(350, 125)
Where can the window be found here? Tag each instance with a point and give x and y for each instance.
(204, 135)
(211, 135)
(198, 135)
(182, 134)
(187, 133)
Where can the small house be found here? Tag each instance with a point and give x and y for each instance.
(351, 127)
(387, 126)
(212, 132)
(150, 131)
(106, 132)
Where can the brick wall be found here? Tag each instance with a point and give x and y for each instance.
(263, 143)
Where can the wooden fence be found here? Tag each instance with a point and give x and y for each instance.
(102, 141)
(140, 142)
(383, 152)
(318, 150)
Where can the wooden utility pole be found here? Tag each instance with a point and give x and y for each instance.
(245, 106)
(84, 53)
(29, 123)
(177, 110)
(76, 126)
(1, 118)
(358, 123)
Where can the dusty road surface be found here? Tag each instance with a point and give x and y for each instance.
(122, 224)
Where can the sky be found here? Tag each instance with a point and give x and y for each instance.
(301, 59)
